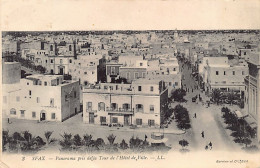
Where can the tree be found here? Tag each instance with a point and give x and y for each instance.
(5, 139)
(178, 95)
(111, 138)
(123, 145)
(183, 143)
(216, 95)
(182, 117)
(231, 97)
(77, 140)
(87, 139)
(47, 135)
(67, 141)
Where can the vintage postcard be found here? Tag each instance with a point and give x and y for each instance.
(130, 83)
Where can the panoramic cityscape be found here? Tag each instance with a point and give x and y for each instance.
(131, 91)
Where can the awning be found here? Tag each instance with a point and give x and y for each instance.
(251, 121)
(238, 114)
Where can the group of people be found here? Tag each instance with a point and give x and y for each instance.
(209, 145)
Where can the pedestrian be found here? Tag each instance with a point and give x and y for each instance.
(202, 134)
(195, 115)
(206, 147)
(210, 145)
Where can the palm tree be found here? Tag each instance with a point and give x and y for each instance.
(216, 95)
(67, 141)
(47, 135)
(111, 138)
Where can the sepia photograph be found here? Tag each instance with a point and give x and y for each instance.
(146, 96)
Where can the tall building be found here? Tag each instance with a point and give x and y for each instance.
(141, 103)
(252, 94)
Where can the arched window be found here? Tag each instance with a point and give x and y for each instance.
(69, 47)
(51, 48)
(101, 106)
(13, 111)
(126, 106)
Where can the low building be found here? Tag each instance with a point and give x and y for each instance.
(141, 103)
(41, 97)
(222, 75)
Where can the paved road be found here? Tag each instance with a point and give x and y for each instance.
(207, 119)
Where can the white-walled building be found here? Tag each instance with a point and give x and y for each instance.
(252, 92)
(141, 103)
(41, 97)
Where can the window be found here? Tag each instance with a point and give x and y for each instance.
(216, 72)
(151, 88)
(38, 100)
(52, 102)
(61, 61)
(114, 106)
(126, 106)
(176, 83)
(243, 73)
(224, 72)
(17, 98)
(113, 70)
(143, 74)
(30, 92)
(234, 73)
(85, 82)
(101, 106)
(46, 61)
(52, 115)
(138, 121)
(45, 83)
(85, 73)
(5, 99)
(139, 88)
(13, 111)
(51, 60)
(33, 114)
(151, 123)
(70, 60)
(27, 83)
(75, 94)
(141, 64)
(89, 105)
(114, 120)
(174, 69)
(136, 75)
(151, 108)
(69, 47)
(103, 119)
(51, 48)
(93, 72)
(127, 75)
(22, 113)
(139, 108)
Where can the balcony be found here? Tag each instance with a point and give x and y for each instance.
(119, 110)
(91, 111)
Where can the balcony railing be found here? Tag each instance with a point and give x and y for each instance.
(120, 110)
(91, 111)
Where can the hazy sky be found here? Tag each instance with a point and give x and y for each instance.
(129, 14)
